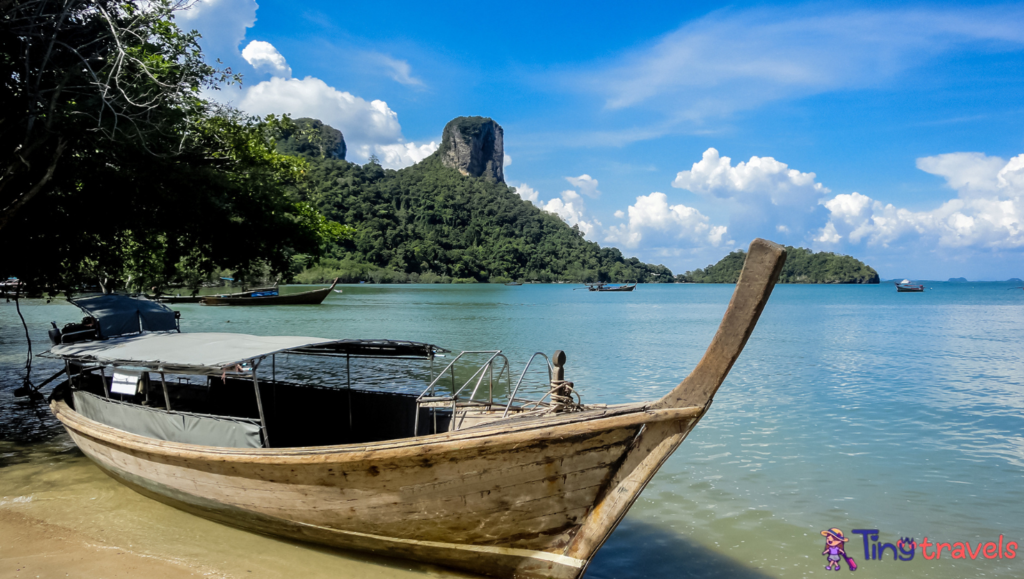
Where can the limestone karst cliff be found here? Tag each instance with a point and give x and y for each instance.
(474, 146)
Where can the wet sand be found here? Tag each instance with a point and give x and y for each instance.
(31, 547)
(60, 516)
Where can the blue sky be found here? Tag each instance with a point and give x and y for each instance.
(678, 132)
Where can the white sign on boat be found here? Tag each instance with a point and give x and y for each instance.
(125, 382)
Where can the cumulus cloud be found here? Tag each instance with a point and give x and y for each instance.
(653, 221)
(527, 193)
(987, 213)
(398, 155)
(571, 209)
(569, 206)
(761, 177)
(369, 127)
(966, 172)
(586, 184)
(361, 121)
(506, 161)
(265, 58)
(222, 24)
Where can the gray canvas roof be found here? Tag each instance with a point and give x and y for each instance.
(212, 352)
(119, 315)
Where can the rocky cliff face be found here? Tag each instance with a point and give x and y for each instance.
(474, 146)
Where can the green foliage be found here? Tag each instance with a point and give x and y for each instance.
(311, 138)
(802, 266)
(429, 219)
(165, 188)
(348, 271)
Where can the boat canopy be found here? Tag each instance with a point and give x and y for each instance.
(212, 353)
(119, 315)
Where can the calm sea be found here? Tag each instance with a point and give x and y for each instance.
(852, 406)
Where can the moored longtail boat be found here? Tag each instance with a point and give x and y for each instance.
(311, 297)
(520, 493)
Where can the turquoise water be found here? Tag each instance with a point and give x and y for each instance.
(851, 407)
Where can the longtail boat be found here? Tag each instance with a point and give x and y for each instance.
(602, 287)
(523, 488)
(270, 298)
(195, 299)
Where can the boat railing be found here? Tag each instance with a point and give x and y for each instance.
(496, 370)
(430, 398)
(512, 396)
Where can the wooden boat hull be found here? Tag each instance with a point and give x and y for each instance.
(513, 502)
(313, 297)
(177, 299)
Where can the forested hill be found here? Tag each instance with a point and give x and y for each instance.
(428, 222)
(802, 266)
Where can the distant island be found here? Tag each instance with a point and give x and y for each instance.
(802, 266)
(958, 279)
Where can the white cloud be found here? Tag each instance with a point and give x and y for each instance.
(987, 213)
(398, 155)
(761, 178)
(222, 24)
(586, 184)
(506, 161)
(828, 234)
(965, 172)
(1011, 177)
(569, 206)
(527, 193)
(734, 60)
(653, 221)
(620, 214)
(265, 58)
(571, 209)
(361, 121)
(369, 127)
(781, 229)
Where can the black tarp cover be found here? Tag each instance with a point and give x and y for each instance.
(119, 315)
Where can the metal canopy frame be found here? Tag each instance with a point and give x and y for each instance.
(368, 348)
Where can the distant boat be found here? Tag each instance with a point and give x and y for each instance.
(180, 299)
(312, 297)
(906, 286)
(513, 283)
(601, 287)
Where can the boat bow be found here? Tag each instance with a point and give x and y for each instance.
(657, 441)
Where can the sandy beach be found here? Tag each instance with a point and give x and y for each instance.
(31, 547)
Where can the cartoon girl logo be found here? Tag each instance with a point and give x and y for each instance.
(834, 550)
